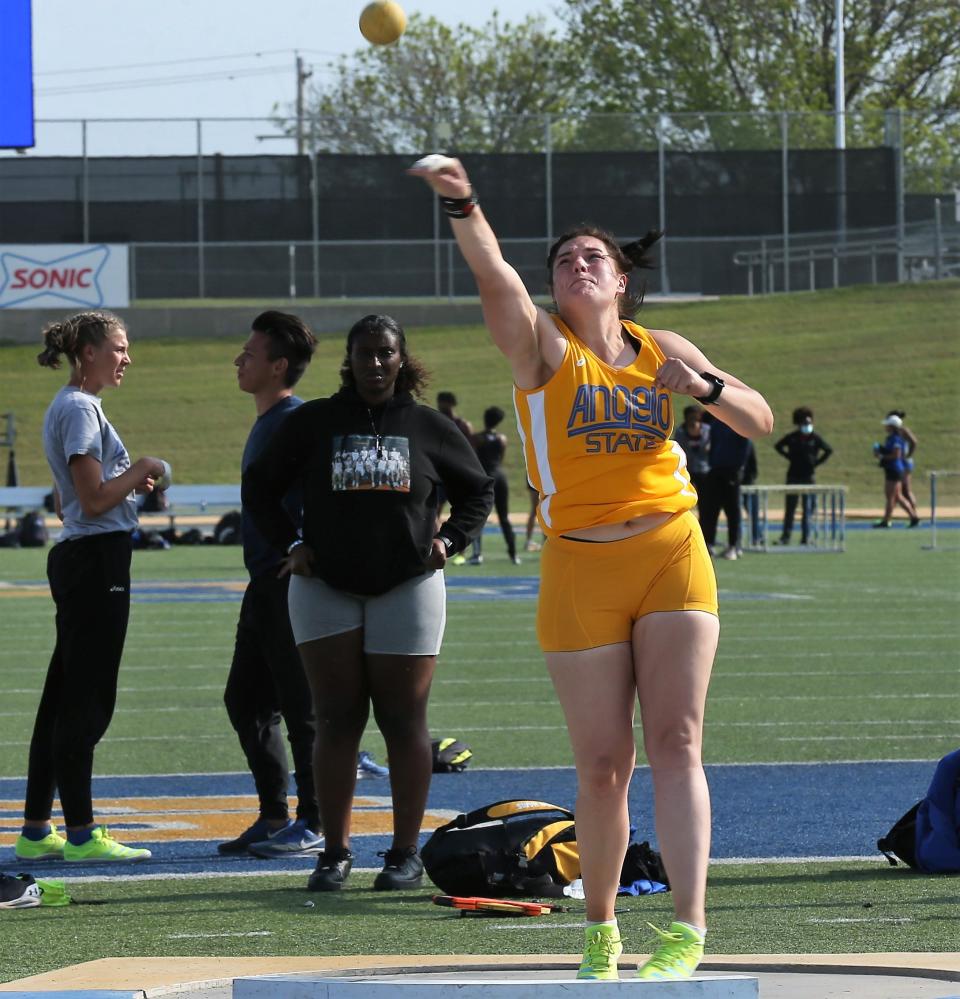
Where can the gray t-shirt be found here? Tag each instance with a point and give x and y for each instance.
(74, 424)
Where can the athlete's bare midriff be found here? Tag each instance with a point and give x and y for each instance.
(619, 531)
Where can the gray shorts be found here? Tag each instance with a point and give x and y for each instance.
(405, 621)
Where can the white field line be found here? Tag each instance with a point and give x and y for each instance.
(12, 650)
(771, 763)
(301, 872)
(440, 705)
(216, 936)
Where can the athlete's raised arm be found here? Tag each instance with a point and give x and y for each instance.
(518, 327)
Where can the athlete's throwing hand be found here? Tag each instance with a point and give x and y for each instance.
(678, 376)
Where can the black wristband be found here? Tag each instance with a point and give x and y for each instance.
(460, 208)
(714, 393)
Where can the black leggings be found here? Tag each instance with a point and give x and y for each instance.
(501, 502)
(90, 582)
(267, 683)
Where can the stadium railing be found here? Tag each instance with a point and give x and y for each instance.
(194, 499)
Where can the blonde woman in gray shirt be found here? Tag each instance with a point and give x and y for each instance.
(89, 573)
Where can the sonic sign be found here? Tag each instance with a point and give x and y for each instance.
(64, 276)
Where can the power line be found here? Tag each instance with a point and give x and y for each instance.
(159, 81)
(178, 62)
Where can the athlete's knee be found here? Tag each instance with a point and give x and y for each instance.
(400, 722)
(605, 773)
(674, 747)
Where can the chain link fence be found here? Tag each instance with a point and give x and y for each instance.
(755, 202)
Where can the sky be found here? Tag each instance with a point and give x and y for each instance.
(119, 58)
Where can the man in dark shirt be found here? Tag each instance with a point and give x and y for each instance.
(447, 404)
(804, 450)
(728, 455)
(267, 681)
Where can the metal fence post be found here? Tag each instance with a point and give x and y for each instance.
(901, 208)
(548, 166)
(662, 204)
(937, 240)
(292, 257)
(201, 277)
(315, 218)
(785, 196)
(85, 182)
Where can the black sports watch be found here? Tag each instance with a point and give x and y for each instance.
(714, 393)
(447, 543)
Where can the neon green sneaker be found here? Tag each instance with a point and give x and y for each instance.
(677, 955)
(600, 954)
(48, 848)
(101, 848)
(53, 893)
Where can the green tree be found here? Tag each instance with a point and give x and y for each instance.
(451, 87)
(772, 55)
(721, 71)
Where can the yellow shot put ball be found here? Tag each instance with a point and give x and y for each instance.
(382, 22)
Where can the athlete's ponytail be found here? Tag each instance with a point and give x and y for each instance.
(71, 335)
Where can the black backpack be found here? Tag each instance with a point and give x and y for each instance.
(513, 847)
(31, 530)
(228, 530)
(450, 756)
(927, 837)
(901, 842)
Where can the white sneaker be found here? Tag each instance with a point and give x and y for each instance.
(730, 554)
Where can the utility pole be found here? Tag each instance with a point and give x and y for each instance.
(839, 86)
(302, 76)
(840, 129)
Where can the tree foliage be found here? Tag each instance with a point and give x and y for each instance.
(771, 55)
(721, 70)
(721, 74)
(480, 89)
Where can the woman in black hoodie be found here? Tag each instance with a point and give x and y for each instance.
(367, 601)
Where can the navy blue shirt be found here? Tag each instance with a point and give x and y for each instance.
(258, 556)
(727, 448)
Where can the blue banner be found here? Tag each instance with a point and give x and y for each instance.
(16, 75)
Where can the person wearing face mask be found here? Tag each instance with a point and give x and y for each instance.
(804, 449)
(367, 599)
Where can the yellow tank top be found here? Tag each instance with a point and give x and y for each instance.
(596, 439)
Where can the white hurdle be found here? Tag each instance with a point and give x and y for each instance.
(824, 508)
(938, 479)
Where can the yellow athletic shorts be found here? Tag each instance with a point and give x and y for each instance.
(591, 593)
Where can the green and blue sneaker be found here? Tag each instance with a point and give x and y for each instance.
(48, 848)
(600, 954)
(678, 953)
(101, 848)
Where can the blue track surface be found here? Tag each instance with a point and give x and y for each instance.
(760, 811)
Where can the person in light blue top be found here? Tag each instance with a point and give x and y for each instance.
(89, 573)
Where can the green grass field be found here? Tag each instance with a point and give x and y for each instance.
(861, 664)
(850, 354)
(823, 657)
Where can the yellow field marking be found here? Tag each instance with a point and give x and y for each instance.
(31, 591)
(204, 817)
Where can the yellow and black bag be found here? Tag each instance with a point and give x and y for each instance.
(514, 847)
